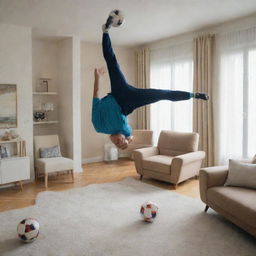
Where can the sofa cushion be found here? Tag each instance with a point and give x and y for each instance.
(54, 164)
(238, 202)
(158, 163)
(241, 174)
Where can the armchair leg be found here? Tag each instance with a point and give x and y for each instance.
(21, 185)
(175, 186)
(141, 177)
(206, 208)
(72, 175)
(46, 180)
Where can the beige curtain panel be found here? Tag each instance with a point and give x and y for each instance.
(203, 82)
(142, 81)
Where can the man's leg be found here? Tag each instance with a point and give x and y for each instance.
(136, 98)
(118, 81)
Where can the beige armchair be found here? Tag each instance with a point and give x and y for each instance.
(175, 159)
(45, 166)
(141, 139)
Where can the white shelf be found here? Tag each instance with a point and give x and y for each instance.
(46, 122)
(44, 93)
(10, 141)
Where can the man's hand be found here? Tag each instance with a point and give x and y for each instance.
(119, 140)
(98, 72)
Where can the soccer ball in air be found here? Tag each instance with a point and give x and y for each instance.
(118, 18)
(149, 211)
(28, 230)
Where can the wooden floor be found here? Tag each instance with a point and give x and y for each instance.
(12, 198)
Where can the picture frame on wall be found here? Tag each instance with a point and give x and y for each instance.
(8, 106)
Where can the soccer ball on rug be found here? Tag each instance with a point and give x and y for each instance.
(118, 18)
(149, 211)
(28, 230)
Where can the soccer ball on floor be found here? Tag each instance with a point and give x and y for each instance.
(149, 211)
(28, 230)
(118, 18)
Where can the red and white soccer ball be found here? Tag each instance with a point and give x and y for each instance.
(28, 230)
(149, 211)
(118, 18)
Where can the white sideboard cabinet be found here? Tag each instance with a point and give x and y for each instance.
(16, 168)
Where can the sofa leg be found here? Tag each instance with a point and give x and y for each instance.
(141, 177)
(175, 186)
(206, 208)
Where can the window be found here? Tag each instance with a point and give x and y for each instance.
(172, 69)
(236, 122)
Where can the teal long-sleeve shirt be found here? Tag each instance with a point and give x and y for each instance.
(107, 117)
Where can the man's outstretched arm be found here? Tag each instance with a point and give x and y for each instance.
(98, 72)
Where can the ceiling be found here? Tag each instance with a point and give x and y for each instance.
(145, 20)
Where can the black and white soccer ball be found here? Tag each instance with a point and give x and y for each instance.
(28, 230)
(149, 211)
(118, 18)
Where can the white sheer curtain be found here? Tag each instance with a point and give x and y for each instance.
(171, 68)
(235, 95)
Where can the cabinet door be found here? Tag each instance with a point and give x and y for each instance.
(15, 169)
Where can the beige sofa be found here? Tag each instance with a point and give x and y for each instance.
(175, 159)
(235, 203)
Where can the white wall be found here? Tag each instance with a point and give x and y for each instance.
(76, 76)
(91, 57)
(16, 68)
(69, 99)
(65, 96)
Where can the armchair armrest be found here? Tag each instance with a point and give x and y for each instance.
(188, 158)
(181, 162)
(146, 152)
(211, 177)
(140, 154)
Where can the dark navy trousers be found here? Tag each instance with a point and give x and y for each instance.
(127, 96)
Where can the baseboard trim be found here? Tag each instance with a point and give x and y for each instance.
(101, 158)
(92, 159)
(126, 154)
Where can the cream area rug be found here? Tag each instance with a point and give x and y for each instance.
(104, 220)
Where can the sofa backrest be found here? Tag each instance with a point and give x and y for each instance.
(177, 143)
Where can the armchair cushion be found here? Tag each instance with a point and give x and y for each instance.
(55, 164)
(177, 143)
(158, 163)
(50, 152)
(241, 202)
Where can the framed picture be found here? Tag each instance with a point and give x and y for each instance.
(8, 106)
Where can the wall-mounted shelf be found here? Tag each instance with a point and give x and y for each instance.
(44, 93)
(46, 122)
(9, 141)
